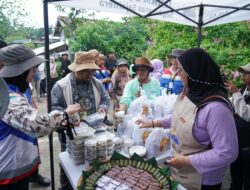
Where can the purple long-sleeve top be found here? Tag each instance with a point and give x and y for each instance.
(214, 125)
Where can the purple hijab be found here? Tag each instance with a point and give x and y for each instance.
(158, 68)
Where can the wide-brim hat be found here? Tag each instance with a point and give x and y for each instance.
(245, 68)
(83, 61)
(17, 59)
(143, 62)
(176, 53)
(4, 97)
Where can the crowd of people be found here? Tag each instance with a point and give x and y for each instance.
(209, 129)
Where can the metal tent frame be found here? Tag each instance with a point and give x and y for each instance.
(154, 12)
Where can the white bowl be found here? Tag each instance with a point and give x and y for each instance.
(140, 150)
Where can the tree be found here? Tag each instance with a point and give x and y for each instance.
(128, 39)
(12, 15)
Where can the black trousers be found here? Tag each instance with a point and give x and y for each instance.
(240, 168)
(22, 185)
(43, 86)
(211, 187)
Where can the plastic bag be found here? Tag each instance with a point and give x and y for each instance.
(163, 105)
(140, 135)
(141, 106)
(157, 142)
(129, 125)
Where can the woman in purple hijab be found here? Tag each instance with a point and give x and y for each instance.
(158, 69)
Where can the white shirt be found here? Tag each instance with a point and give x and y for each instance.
(240, 106)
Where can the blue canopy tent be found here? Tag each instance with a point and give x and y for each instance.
(196, 13)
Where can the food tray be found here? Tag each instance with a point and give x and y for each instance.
(92, 179)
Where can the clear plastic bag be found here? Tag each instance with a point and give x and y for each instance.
(140, 135)
(141, 106)
(157, 142)
(163, 105)
(129, 125)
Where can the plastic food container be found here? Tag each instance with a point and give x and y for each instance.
(90, 149)
(127, 144)
(101, 148)
(117, 141)
(94, 119)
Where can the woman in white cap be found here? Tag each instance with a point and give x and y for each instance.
(241, 101)
(119, 79)
(171, 79)
(21, 122)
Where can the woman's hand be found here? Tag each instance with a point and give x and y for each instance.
(144, 124)
(179, 161)
(71, 109)
(231, 87)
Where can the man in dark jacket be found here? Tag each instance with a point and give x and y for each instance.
(65, 63)
(111, 63)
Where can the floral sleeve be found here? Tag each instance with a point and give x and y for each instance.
(22, 116)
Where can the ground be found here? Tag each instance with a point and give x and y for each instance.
(45, 157)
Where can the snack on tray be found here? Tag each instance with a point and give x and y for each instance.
(126, 174)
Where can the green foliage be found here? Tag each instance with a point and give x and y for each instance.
(167, 36)
(127, 39)
(228, 44)
(12, 14)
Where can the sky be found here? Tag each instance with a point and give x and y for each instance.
(35, 9)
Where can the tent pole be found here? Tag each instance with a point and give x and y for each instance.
(199, 36)
(46, 50)
(200, 23)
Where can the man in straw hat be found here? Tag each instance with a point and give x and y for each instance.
(22, 122)
(142, 81)
(241, 101)
(80, 86)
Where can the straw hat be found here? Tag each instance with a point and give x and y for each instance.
(142, 62)
(94, 52)
(17, 59)
(84, 60)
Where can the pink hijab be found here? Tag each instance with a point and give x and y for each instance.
(158, 68)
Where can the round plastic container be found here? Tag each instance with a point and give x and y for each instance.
(90, 149)
(117, 144)
(127, 144)
(102, 148)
